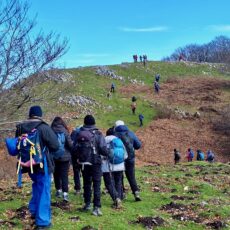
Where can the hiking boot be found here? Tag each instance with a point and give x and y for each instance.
(86, 208)
(78, 192)
(117, 203)
(65, 197)
(58, 194)
(137, 196)
(97, 211)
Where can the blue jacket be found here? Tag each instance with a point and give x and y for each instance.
(123, 129)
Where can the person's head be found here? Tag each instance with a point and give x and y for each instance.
(59, 121)
(110, 131)
(89, 120)
(35, 111)
(189, 149)
(118, 123)
(175, 150)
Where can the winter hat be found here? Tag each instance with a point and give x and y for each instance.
(35, 111)
(119, 122)
(89, 120)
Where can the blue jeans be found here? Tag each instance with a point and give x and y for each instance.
(40, 203)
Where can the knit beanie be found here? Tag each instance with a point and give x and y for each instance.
(119, 122)
(89, 120)
(35, 111)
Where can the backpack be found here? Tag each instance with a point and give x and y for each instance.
(210, 157)
(117, 153)
(191, 154)
(128, 143)
(177, 156)
(61, 149)
(201, 156)
(85, 147)
(29, 150)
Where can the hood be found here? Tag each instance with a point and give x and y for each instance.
(89, 127)
(59, 129)
(30, 124)
(121, 128)
(109, 138)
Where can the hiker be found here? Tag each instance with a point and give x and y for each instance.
(112, 89)
(157, 77)
(133, 106)
(140, 57)
(90, 145)
(210, 156)
(177, 156)
(40, 173)
(109, 95)
(75, 164)
(113, 167)
(190, 155)
(141, 118)
(131, 143)
(156, 87)
(200, 155)
(62, 161)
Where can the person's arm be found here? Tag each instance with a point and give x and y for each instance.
(49, 138)
(102, 146)
(136, 141)
(69, 142)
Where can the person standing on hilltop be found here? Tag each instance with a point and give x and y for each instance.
(131, 143)
(40, 173)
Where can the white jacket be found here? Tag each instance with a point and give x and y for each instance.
(106, 166)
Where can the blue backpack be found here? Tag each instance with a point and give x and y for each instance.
(61, 150)
(117, 152)
(201, 156)
(29, 150)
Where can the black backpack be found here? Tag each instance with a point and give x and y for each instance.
(128, 143)
(85, 148)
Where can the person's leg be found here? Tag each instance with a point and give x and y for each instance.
(87, 182)
(118, 183)
(96, 174)
(34, 196)
(130, 174)
(57, 175)
(43, 212)
(109, 184)
(76, 175)
(64, 176)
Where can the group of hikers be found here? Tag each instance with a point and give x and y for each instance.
(190, 156)
(143, 58)
(43, 150)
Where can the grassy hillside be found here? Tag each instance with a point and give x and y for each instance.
(186, 196)
(85, 82)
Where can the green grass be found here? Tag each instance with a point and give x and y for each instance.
(85, 82)
(166, 178)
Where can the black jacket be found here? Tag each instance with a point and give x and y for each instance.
(68, 142)
(48, 139)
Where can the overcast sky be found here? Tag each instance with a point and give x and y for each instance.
(103, 32)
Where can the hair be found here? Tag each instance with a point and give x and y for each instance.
(110, 131)
(59, 121)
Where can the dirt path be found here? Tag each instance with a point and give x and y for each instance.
(163, 135)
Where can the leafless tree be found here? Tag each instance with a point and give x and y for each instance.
(23, 52)
(216, 51)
